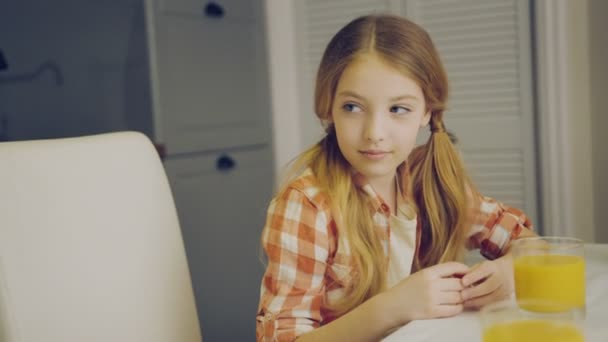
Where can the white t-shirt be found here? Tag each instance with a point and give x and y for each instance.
(402, 244)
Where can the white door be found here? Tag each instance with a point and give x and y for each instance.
(485, 46)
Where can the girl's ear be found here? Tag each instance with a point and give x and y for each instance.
(426, 119)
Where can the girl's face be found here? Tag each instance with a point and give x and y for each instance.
(377, 113)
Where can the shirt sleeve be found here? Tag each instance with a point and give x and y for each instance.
(495, 225)
(295, 239)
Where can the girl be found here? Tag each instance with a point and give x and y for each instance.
(367, 233)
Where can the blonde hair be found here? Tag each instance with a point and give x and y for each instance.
(437, 177)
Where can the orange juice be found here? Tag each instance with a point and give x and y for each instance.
(559, 279)
(533, 331)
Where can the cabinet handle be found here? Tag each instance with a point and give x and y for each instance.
(3, 63)
(213, 10)
(225, 163)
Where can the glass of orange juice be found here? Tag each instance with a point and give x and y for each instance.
(507, 321)
(550, 269)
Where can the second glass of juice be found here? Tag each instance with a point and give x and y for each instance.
(508, 321)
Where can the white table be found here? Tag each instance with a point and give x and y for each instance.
(467, 325)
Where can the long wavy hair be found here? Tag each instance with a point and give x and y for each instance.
(437, 182)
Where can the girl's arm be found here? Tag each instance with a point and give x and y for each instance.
(433, 292)
(298, 243)
(370, 321)
(495, 227)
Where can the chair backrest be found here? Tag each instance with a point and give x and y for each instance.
(90, 244)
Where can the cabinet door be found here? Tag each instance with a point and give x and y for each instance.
(222, 215)
(230, 9)
(212, 76)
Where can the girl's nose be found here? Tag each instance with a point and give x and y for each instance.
(374, 131)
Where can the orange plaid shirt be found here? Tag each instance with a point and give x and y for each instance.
(308, 266)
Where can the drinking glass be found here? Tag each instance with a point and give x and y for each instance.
(550, 269)
(508, 321)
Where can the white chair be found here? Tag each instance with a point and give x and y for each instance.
(90, 244)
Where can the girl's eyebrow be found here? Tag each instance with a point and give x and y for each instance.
(392, 99)
(404, 97)
(351, 94)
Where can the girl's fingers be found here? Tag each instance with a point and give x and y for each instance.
(477, 273)
(479, 302)
(449, 269)
(490, 285)
(448, 310)
(450, 284)
(450, 298)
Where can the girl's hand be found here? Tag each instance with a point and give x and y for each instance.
(430, 293)
(488, 282)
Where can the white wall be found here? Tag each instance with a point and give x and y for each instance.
(286, 119)
(598, 56)
(88, 42)
(579, 125)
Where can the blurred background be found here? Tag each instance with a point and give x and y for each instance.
(224, 90)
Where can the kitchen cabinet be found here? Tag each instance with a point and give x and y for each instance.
(210, 118)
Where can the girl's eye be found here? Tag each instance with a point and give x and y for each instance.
(400, 110)
(351, 107)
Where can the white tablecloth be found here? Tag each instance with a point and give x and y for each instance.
(467, 325)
